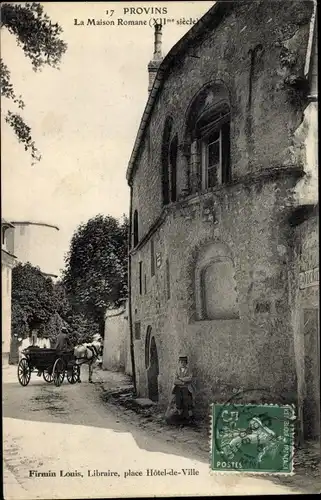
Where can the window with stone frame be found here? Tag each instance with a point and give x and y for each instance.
(152, 258)
(137, 330)
(207, 140)
(169, 163)
(140, 278)
(173, 149)
(135, 228)
(168, 281)
(165, 160)
(215, 155)
(3, 234)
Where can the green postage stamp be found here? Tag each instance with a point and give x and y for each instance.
(252, 438)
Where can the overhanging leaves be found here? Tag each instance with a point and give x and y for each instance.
(40, 41)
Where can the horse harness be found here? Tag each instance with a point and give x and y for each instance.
(94, 350)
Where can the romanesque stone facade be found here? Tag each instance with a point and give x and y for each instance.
(213, 176)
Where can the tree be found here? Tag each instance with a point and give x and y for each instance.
(82, 328)
(40, 41)
(33, 299)
(95, 276)
(19, 320)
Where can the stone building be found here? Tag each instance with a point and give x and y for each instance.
(8, 260)
(36, 242)
(23, 241)
(221, 156)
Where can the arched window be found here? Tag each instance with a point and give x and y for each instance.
(173, 169)
(208, 138)
(215, 285)
(135, 228)
(165, 160)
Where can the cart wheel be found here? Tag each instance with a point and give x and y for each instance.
(58, 372)
(47, 376)
(24, 372)
(73, 374)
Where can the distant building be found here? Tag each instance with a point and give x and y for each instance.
(24, 241)
(35, 242)
(8, 260)
(224, 210)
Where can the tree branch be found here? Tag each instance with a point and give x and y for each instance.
(40, 41)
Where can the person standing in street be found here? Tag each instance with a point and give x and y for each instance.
(182, 393)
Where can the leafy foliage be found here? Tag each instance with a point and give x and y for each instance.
(38, 303)
(35, 33)
(7, 87)
(40, 41)
(23, 132)
(82, 329)
(33, 294)
(95, 276)
(53, 327)
(20, 327)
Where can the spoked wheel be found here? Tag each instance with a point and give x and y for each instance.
(24, 372)
(58, 372)
(73, 374)
(48, 376)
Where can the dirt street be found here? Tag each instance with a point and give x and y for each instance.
(65, 442)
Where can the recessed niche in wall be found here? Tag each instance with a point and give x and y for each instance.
(215, 285)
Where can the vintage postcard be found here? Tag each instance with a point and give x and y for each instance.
(159, 251)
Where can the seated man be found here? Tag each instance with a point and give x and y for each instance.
(62, 340)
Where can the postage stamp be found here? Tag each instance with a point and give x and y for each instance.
(252, 438)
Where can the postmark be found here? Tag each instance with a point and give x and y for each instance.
(252, 438)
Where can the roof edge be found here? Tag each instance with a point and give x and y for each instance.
(8, 253)
(49, 275)
(220, 7)
(30, 223)
(6, 223)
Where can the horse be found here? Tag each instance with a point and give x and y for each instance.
(88, 353)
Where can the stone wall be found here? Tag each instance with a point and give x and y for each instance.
(223, 54)
(230, 353)
(254, 51)
(116, 353)
(6, 283)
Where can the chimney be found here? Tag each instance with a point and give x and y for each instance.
(157, 56)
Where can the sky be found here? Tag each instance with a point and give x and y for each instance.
(84, 117)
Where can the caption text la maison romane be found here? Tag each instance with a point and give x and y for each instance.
(110, 473)
(137, 22)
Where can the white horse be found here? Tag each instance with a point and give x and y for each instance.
(89, 354)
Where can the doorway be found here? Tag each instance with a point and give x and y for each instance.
(311, 404)
(152, 365)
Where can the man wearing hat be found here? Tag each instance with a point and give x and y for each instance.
(183, 389)
(62, 340)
